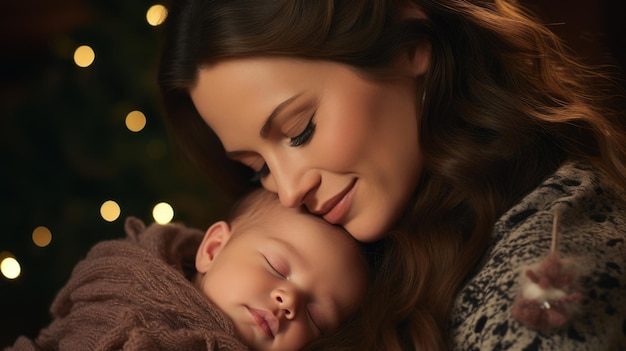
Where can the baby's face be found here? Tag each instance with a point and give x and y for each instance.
(285, 283)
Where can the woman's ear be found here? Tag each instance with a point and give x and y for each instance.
(214, 240)
(413, 62)
(418, 56)
(419, 59)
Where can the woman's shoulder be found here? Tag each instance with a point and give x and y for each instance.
(590, 210)
(575, 186)
(592, 236)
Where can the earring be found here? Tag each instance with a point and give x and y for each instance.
(423, 99)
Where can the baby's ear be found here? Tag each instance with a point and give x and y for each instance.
(214, 240)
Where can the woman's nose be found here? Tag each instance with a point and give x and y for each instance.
(287, 302)
(292, 185)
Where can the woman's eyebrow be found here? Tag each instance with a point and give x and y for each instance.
(267, 126)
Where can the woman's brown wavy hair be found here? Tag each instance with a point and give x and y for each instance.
(505, 105)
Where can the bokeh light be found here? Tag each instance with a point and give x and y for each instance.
(10, 267)
(110, 211)
(42, 236)
(163, 213)
(156, 15)
(135, 121)
(84, 56)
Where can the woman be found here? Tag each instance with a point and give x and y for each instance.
(452, 130)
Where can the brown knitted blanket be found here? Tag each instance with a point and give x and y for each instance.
(135, 294)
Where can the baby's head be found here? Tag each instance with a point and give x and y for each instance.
(281, 275)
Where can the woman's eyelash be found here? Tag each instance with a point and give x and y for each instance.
(296, 141)
(260, 174)
(305, 136)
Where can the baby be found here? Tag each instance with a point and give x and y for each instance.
(271, 278)
(281, 275)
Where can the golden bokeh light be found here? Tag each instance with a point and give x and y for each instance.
(42, 236)
(156, 15)
(110, 211)
(135, 121)
(163, 213)
(84, 56)
(10, 267)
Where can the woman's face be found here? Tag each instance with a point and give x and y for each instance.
(319, 134)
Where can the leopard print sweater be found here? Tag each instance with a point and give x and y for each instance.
(592, 225)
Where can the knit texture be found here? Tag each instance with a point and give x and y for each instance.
(135, 294)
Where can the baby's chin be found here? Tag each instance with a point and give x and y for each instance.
(249, 339)
(259, 345)
(246, 335)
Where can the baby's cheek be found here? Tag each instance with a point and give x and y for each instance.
(297, 335)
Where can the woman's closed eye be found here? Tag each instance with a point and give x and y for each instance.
(305, 136)
(299, 140)
(260, 174)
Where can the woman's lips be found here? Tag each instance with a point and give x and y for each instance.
(338, 206)
(265, 320)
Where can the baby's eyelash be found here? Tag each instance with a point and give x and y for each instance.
(278, 272)
(317, 326)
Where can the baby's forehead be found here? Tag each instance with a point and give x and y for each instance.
(262, 208)
(295, 224)
(293, 220)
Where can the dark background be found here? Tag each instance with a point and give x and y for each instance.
(65, 150)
